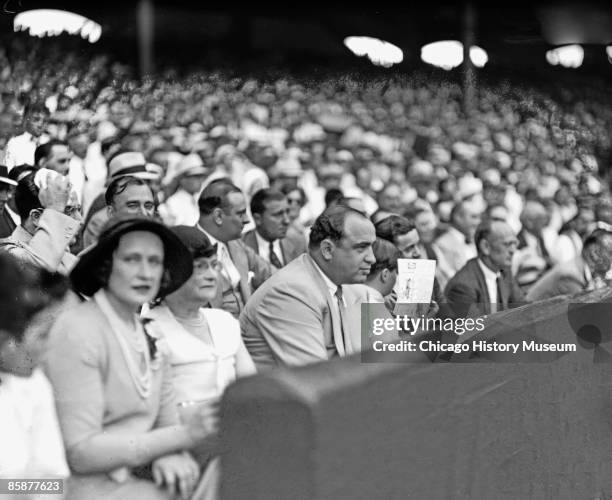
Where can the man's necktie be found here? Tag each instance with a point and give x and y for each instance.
(500, 301)
(342, 311)
(274, 260)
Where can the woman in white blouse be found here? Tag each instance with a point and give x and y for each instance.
(206, 349)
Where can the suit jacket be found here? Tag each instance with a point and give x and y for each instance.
(292, 318)
(467, 294)
(252, 268)
(568, 278)
(453, 252)
(48, 247)
(288, 247)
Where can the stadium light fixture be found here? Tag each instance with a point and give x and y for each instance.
(379, 52)
(448, 54)
(568, 56)
(52, 22)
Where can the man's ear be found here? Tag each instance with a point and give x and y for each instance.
(484, 247)
(110, 211)
(327, 249)
(35, 215)
(384, 275)
(256, 219)
(217, 216)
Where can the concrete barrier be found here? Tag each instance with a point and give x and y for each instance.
(489, 429)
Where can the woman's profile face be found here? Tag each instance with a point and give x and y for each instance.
(202, 286)
(137, 268)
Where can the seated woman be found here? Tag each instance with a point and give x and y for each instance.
(206, 348)
(29, 431)
(114, 393)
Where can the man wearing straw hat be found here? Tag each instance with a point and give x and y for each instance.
(182, 207)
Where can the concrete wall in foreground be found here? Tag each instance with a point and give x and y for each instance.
(486, 429)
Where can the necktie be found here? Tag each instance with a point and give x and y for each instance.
(342, 311)
(500, 301)
(274, 260)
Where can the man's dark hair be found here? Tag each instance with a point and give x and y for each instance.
(20, 171)
(26, 197)
(332, 196)
(24, 291)
(120, 184)
(44, 150)
(330, 225)
(215, 196)
(483, 231)
(261, 197)
(595, 238)
(35, 107)
(386, 254)
(393, 226)
(288, 188)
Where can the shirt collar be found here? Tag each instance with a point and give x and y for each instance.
(488, 272)
(331, 286)
(212, 239)
(263, 243)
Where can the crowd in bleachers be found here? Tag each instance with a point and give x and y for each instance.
(212, 225)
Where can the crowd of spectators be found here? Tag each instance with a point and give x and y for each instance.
(215, 223)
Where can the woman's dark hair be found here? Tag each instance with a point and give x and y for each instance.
(393, 226)
(24, 291)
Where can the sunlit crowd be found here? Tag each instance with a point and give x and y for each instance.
(162, 237)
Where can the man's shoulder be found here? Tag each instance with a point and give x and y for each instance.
(467, 274)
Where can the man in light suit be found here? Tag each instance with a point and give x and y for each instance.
(456, 246)
(300, 315)
(49, 222)
(485, 284)
(223, 215)
(270, 212)
(587, 271)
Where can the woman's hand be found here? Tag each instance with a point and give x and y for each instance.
(204, 421)
(179, 473)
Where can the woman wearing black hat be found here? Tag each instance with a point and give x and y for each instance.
(111, 377)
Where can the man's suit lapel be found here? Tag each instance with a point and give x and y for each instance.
(288, 250)
(239, 258)
(251, 240)
(482, 285)
(331, 306)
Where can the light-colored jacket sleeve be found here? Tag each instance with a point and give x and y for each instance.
(50, 241)
(292, 328)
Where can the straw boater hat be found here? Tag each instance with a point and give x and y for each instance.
(130, 163)
(85, 276)
(4, 176)
(191, 164)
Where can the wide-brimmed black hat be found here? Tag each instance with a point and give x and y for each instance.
(86, 277)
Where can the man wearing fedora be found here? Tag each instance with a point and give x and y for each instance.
(127, 164)
(182, 207)
(50, 219)
(7, 185)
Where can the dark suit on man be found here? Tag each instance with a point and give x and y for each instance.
(288, 247)
(468, 297)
